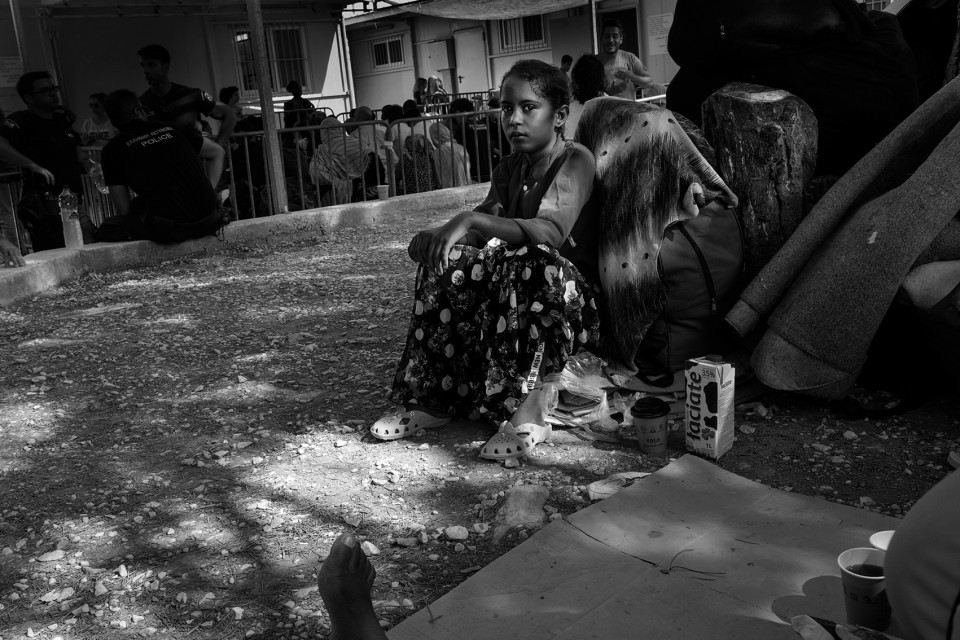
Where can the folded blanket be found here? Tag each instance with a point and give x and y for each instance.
(825, 292)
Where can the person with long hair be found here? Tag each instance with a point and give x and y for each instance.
(501, 299)
(97, 130)
(419, 91)
(436, 94)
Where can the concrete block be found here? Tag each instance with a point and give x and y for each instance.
(49, 269)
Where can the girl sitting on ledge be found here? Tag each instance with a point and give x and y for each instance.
(504, 293)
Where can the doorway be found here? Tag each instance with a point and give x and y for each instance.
(471, 55)
(631, 35)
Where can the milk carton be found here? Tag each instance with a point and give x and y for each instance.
(709, 406)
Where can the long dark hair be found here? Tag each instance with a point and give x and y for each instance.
(419, 90)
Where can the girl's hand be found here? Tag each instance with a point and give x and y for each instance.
(438, 255)
(420, 246)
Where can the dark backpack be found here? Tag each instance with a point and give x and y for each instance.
(701, 265)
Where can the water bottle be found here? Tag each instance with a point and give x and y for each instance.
(72, 235)
(95, 171)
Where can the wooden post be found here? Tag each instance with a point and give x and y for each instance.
(766, 145)
(271, 141)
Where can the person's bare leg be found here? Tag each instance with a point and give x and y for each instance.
(529, 410)
(344, 584)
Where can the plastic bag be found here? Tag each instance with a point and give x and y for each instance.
(583, 376)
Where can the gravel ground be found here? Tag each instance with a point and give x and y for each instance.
(182, 443)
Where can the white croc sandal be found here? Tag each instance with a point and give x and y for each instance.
(514, 442)
(405, 423)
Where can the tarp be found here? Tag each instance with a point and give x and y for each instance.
(491, 9)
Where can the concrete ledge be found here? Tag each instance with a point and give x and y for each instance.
(48, 269)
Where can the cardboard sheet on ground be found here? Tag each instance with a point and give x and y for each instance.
(763, 555)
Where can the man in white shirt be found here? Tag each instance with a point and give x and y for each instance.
(625, 72)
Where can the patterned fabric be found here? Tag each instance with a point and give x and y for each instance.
(645, 164)
(477, 327)
(415, 173)
(339, 160)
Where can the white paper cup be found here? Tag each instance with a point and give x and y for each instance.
(383, 191)
(864, 587)
(881, 540)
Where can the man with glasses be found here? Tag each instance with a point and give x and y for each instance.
(41, 139)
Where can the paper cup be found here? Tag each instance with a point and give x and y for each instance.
(881, 540)
(650, 420)
(864, 587)
(383, 191)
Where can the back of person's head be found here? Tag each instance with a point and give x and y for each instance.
(155, 52)
(461, 105)
(121, 106)
(411, 110)
(25, 83)
(612, 23)
(227, 93)
(364, 114)
(249, 124)
(391, 112)
(547, 81)
(566, 59)
(493, 103)
(293, 86)
(587, 77)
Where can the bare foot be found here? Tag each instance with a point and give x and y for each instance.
(344, 585)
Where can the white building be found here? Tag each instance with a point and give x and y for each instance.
(91, 46)
(391, 48)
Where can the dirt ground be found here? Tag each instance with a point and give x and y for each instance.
(182, 443)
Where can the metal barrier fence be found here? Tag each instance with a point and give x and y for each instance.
(338, 163)
(99, 206)
(440, 103)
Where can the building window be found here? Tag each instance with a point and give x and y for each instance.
(387, 53)
(522, 33)
(286, 57)
(877, 5)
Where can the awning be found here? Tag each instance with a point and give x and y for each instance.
(490, 9)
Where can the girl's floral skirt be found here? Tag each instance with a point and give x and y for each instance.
(490, 326)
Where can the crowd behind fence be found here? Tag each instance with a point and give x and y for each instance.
(336, 162)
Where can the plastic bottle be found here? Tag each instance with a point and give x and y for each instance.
(72, 235)
(95, 171)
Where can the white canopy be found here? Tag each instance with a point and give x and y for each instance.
(490, 9)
